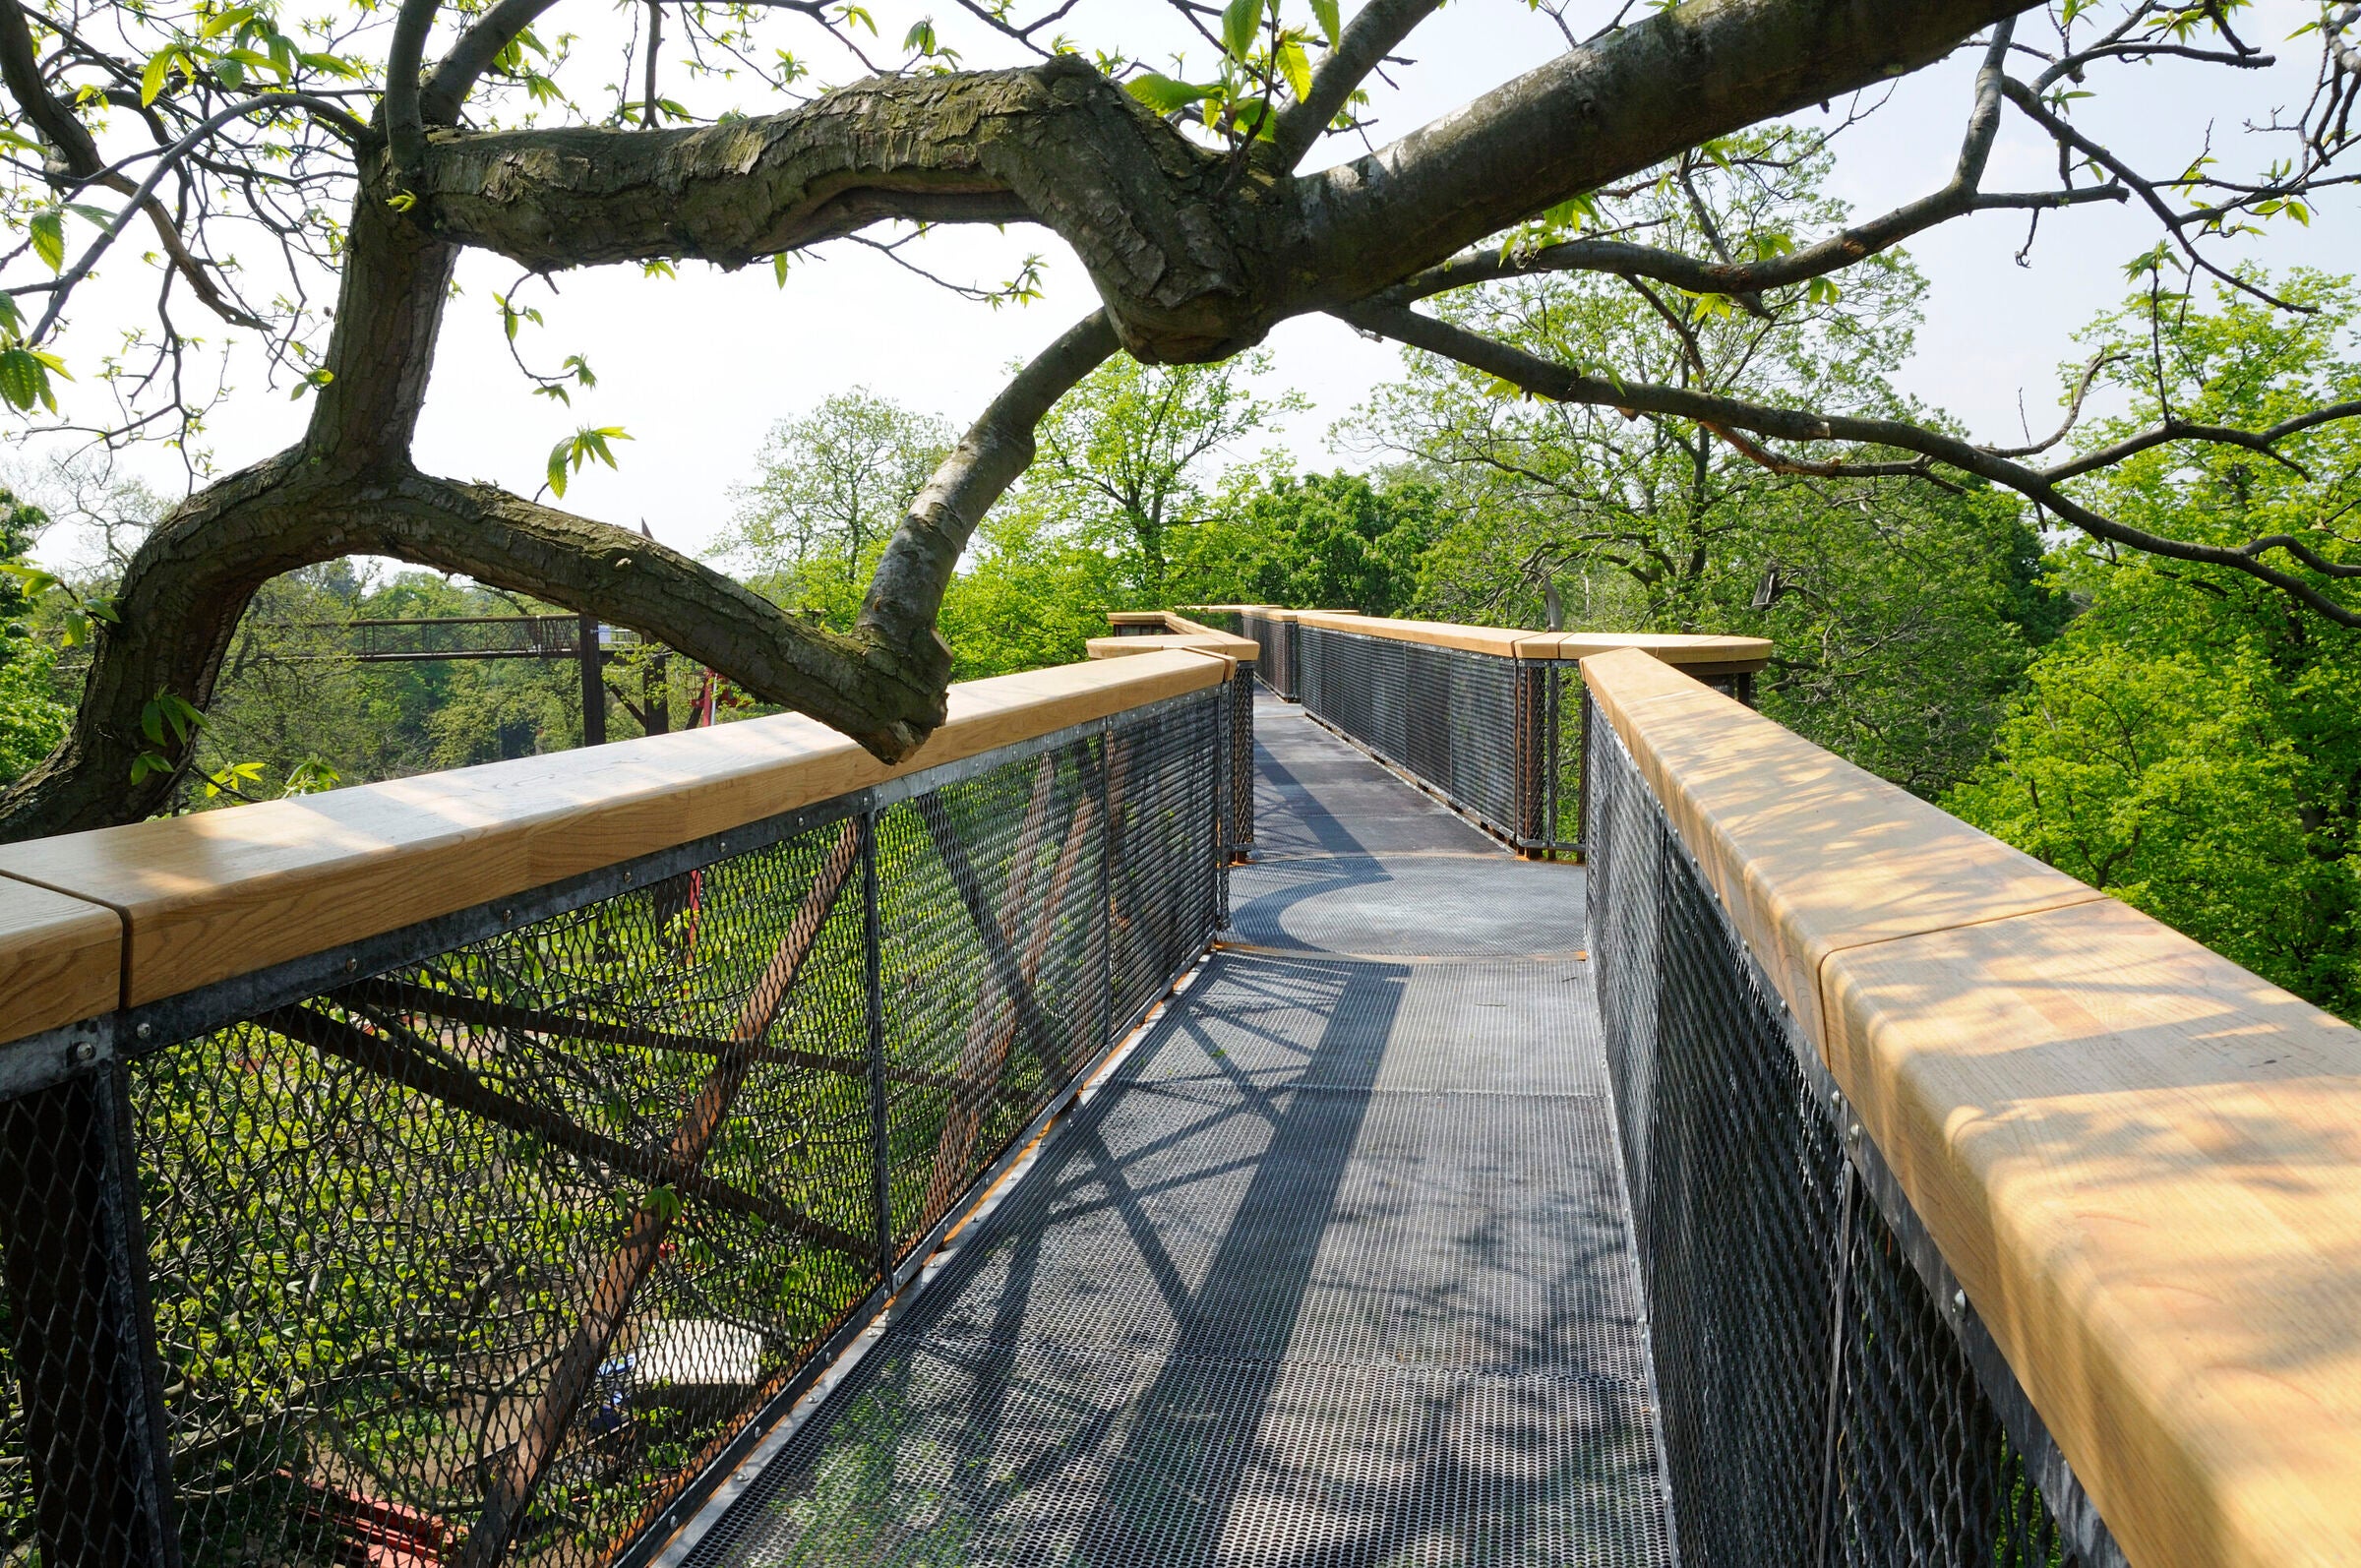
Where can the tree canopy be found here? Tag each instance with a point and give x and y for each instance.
(270, 157)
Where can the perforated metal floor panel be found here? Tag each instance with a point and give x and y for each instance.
(1335, 1271)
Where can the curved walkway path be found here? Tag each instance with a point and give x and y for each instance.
(1334, 1269)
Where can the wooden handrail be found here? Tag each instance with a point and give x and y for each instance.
(61, 960)
(1717, 655)
(1175, 632)
(193, 901)
(1702, 654)
(2142, 1162)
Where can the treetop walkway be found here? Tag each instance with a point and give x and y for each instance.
(1158, 1124)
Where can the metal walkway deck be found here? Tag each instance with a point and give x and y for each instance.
(1335, 1269)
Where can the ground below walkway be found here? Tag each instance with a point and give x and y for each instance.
(1335, 1270)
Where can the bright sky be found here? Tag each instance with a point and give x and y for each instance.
(695, 369)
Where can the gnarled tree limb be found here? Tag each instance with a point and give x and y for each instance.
(1542, 378)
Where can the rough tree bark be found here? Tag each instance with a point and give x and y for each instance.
(1194, 256)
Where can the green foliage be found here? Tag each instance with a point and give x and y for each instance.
(31, 718)
(829, 489)
(1130, 460)
(1335, 541)
(569, 454)
(1901, 614)
(295, 713)
(2192, 743)
(1031, 596)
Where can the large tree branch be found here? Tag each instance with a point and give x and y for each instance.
(185, 590)
(1542, 378)
(907, 591)
(447, 88)
(1190, 263)
(1598, 113)
(406, 56)
(1056, 142)
(1367, 39)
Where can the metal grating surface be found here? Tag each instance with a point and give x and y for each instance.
(1334, 1271)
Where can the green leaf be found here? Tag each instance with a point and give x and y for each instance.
(1295, 67)
(594, 441)
(35, 582)
(779, 268)
(165, 712)
(25, 379)
(920, 40)
(1161, 93)
(217, 26)
(311, 776)
(556, 465)
(1324, 11)
(160, 68)
(49, 238)
(1239, 20)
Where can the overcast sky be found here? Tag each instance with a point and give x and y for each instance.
(696, 368)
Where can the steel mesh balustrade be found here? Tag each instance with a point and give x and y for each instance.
(1275, 642)
(496, 1244)
(1822, 1400)
(1480, 728)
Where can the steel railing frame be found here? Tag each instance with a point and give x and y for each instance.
(1479, 731)
(1655, 1016)
(77, 1257)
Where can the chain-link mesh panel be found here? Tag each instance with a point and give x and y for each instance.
(1474, 726)
(1911, 1406)
(490, 1255)
(81, 1477)
(1274, 659)
(494, 1248)
(1161, 885)
(992, 976)
(1239, 834)
(1817, 1406)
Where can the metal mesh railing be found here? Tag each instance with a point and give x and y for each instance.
(1827, 1396)
(1275, 656)
(497, 1238)
(1480, 728)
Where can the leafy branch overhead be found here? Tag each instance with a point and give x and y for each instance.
(311, 178)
